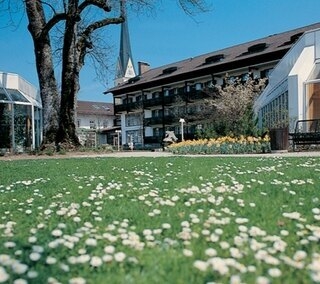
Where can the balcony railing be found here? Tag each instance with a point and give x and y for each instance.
(158, 120)
(128, 107)
(165, 101)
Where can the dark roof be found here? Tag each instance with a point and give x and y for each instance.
(267, 49)
(96, 108)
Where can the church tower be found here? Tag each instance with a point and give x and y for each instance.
(125, 67)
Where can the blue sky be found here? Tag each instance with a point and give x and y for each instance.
(167, 35)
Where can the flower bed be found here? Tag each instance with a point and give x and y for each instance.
(223, 145)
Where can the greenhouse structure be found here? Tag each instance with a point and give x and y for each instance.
(20, 114)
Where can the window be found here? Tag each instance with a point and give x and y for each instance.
(292, 39)
(172, 91)
(167, 112)
(92, 124)
(257, 47)
(157, 113)
(155, 95)
(134, 136)
(265, 73)
(198, 86)
(275, 113)
(180, 90)
(128, 100)
(134, 119)
(105, 123)
(245, 77)
(156, 132)
(214, 59)
(169, 70)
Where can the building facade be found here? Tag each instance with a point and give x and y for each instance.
(293, 92)
(20, 114)
(95, 123)
(156, 99)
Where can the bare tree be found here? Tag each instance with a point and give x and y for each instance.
(71, 27)
(59, 115)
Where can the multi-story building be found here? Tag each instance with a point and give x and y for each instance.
(152, 102)
(95, 123)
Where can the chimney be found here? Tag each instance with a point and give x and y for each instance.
(143, 67)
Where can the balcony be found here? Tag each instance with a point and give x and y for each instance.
(195, 95)
(165, 101)
(152, 102)
(152, 121)
(128, 107)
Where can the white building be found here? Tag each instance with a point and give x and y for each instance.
(293, 91)
(95, 122)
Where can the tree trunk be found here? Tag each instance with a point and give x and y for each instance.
(70, 80)
(47, 82)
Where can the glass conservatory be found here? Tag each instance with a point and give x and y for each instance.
(20, 114)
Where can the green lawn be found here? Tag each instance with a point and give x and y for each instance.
(160, 220)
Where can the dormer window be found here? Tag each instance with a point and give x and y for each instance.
(293, 39)
(257, 47)
(134, 79)
(214, 59)
(169, 70)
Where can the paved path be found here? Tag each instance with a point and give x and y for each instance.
(168, 154)
(128, 154)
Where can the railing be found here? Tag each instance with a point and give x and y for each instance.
(158, 120)
(187, 97)
(128, 107)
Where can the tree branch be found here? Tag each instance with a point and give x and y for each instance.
(98, 3)
(84, 39)
(53, 21)
(46, 3)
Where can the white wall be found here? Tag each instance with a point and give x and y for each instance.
(99, 121)
(297, 76)
(292, 72)
(14, 81)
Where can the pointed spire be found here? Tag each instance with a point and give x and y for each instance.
(125, 67)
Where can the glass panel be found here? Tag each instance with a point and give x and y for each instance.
(3, 96)
(17, 96)
(5, 125)
(37, 126)
(22, 127)
(313, 100)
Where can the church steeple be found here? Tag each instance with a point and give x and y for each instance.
(125, 67)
